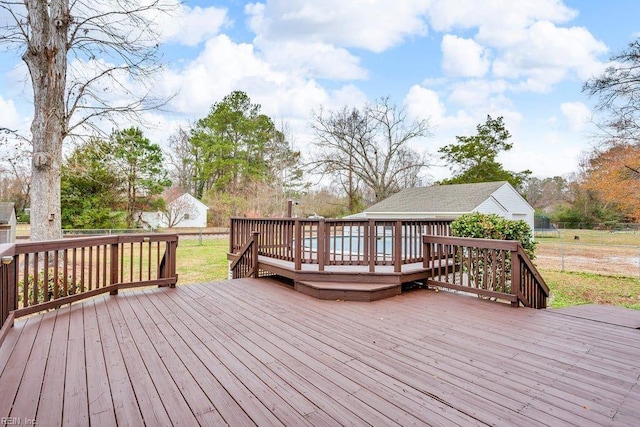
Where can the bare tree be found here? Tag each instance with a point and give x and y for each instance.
(178, 208)
(369, 147)
(181, 159)
(15, 174)
(82, 57)
(618, 94)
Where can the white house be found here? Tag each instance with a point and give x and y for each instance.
(7, 222)
(182, 212)
(451, 201)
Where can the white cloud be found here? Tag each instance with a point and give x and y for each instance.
(11, 118)
(374, 25)
(463, 57)
(191, 26)
(423, 103)
(498, 21)
(221, 67)
(549, 55)
(318, 60)
(576, 114)
(476, 92)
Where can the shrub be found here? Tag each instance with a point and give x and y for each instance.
(492, 226)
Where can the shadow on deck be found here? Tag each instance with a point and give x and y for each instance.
(252, 351)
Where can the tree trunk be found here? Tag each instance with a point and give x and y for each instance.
(46, 58)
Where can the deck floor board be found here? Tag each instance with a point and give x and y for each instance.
(255, 352)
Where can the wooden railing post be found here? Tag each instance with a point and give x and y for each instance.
(426, 252)
(8, 287)
(172, 264)
(515, 277)
(254, 252)
(397, 247)
(232, 233)
(372, 245)
(298, 242)
(114, 264)
(321, 245)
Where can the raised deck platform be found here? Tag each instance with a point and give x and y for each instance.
(254, 352)
(346, 282)
(347, 259)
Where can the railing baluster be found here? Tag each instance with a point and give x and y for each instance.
(90, 272)
(65, 272)
(45, 275)
(55, 274)
(35, 279)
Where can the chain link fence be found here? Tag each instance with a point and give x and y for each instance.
(610, 252)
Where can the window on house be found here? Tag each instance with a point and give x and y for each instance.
(186, 216)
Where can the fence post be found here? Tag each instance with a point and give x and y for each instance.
(8, 291)
(397, 247)
(172, 262)
(232, 230)
(297, 259)
(254, 252)
(372, 246)
(320, 243)
(426, 252)
(515, 276)
(114, 263)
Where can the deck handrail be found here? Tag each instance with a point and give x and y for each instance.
(350, 241)
(498, 269)
(246, 262)
(38, 276)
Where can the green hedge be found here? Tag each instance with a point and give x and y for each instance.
(492, 226)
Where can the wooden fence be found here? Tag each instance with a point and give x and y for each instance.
(37, 276)
(498, 269)
(337, 241)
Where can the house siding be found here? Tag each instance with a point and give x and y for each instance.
(8, 224)
(517, 207)
(199, 219)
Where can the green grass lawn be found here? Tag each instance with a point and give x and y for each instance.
(571, 288)
(206, 261)
(601, 237)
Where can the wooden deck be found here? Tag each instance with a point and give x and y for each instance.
(253, 351)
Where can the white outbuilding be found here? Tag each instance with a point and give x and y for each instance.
(451, 201)
(182, 212)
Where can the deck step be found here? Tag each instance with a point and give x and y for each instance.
(348, 291)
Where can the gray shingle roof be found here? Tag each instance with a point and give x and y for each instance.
(438, 198)
(6, 209)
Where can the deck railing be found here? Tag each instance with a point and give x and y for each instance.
(498, 269)
(246, 263)
(325, 242)
(37, 276)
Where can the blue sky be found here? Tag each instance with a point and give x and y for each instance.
(451, 61)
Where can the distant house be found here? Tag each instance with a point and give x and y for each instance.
(183, 212)
(7, 222)
(451, 201)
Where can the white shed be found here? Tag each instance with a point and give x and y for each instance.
(182, 212)
(451, 201)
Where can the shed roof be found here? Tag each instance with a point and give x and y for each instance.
(438, 198)
(6, 210)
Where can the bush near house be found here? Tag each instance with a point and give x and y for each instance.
(492, 226)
